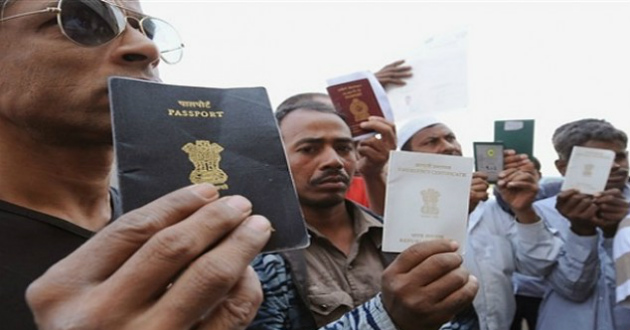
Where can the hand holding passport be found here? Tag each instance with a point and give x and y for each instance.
(167, 137)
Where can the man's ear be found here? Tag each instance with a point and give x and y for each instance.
(561, 166)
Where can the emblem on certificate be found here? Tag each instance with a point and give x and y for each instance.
(430, 197)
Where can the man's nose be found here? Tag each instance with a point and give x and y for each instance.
(135, 48)
(331, 159)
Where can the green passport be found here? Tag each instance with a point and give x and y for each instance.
(167, 137)
(517, 134)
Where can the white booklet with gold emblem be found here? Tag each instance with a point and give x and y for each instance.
(588, 169)
(427, 198)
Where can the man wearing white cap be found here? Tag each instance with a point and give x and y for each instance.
(428, 134)
(497, 241)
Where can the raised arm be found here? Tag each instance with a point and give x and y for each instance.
(373, 155)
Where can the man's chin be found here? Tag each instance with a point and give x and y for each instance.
(323, 203)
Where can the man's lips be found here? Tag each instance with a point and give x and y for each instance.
(332, 179)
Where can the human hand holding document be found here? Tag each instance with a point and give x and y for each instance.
(358, 96)
(167, 137)
(427, 198)
(588, 170)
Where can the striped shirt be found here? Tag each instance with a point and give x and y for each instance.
(621, 254)
(283, 309)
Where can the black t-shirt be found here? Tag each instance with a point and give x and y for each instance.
(31, 242)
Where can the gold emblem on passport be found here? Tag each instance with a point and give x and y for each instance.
(430, 197)
(588, 170)
(359, 110)
(206, 156)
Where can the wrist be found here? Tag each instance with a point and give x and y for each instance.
(526, 216)
(370, 174)
(583, 230)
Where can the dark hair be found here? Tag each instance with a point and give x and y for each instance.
(536, 163)
(312, 106)
(301, 98)
(579, 132)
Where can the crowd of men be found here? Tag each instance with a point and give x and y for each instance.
(190, 260)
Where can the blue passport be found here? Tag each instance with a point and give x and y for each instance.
(167, 137)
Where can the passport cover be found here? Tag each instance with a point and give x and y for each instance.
(588, 170)
(516, 134)
(427, 198)
(167, 137)
(355, 96)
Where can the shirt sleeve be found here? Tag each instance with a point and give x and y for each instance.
(621, 255)
(370, 315)
(575, 275)
(281, 310)
(537, 248)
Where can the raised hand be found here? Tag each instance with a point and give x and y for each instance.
(393, 74)
(478, 190)
(426, 286)
(181, 262)
(579, 209)
(612, 207)
(374, 151)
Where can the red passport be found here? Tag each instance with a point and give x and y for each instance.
(358, 96)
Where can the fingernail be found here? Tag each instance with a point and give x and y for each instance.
(204, 190)
(258, 223)
(454, 245)
(472, 278)
(239, 202)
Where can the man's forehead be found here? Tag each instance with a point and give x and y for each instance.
(437, 129)
(314, 124)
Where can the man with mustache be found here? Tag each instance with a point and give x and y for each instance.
(581, 284)
(179, 263)
(342, 277)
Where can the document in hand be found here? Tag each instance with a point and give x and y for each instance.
(516, 134)
(358, 96)
(167, 137)
(427, 198)
(588, 169)
(440, 77)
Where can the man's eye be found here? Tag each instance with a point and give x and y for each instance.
(50, 22)
(345, 149)
(307, 150)
(430, 142)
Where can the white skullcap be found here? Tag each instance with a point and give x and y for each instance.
(409, 128)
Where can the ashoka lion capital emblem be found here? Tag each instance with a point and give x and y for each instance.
(205, 156)
(430, 197)
(360, 110)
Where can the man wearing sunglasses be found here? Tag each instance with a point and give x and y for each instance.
(150, 269)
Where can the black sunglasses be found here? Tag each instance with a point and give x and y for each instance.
(96, 22)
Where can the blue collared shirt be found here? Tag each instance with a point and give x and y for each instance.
(581, 286)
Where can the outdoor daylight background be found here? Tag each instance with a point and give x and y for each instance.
(549, 61)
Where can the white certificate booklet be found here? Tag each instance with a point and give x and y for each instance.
(427, 198)
(588, 169)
